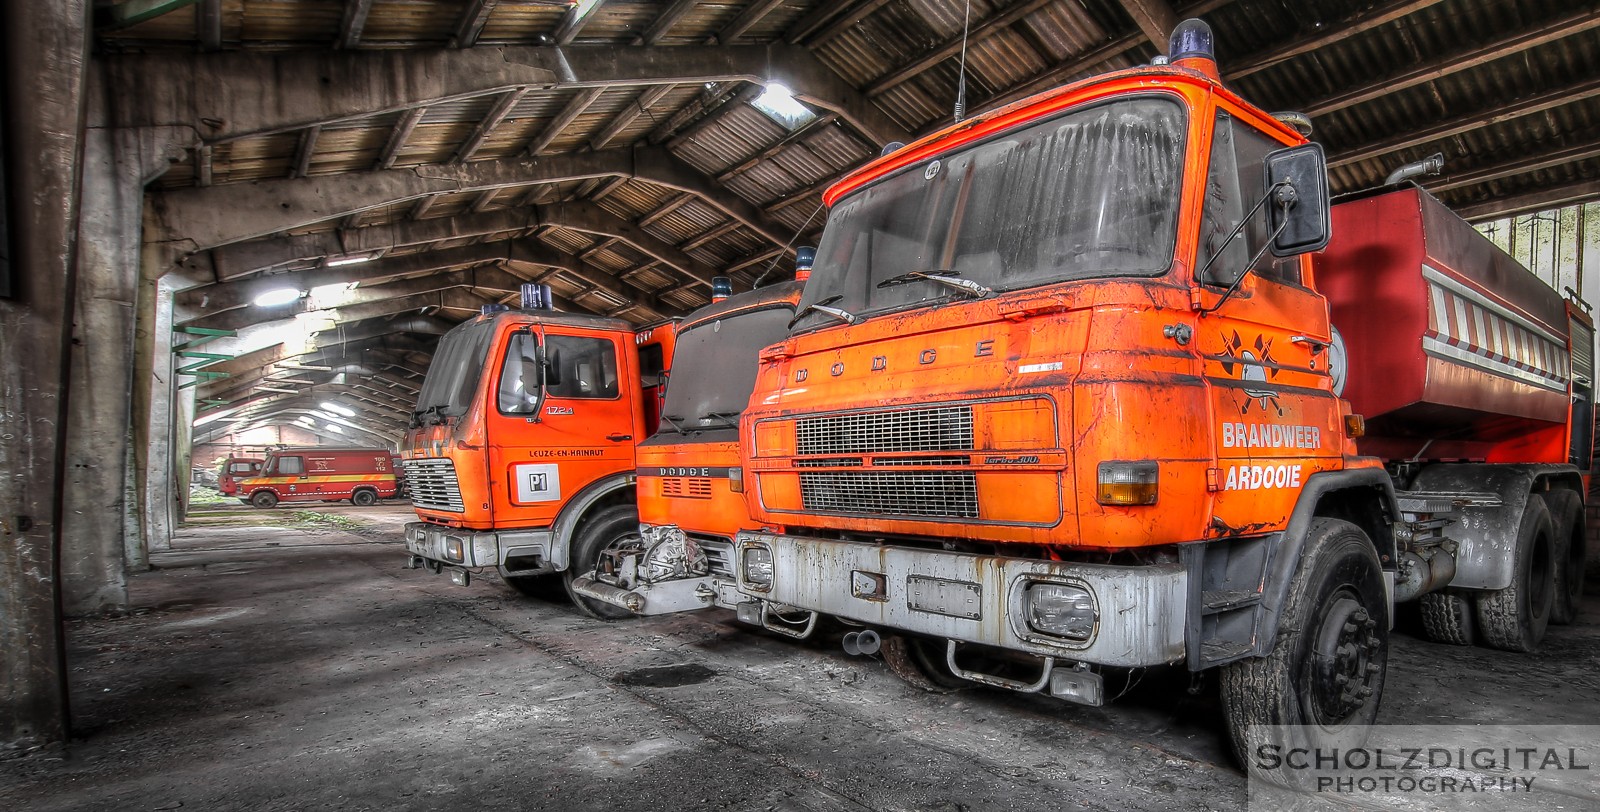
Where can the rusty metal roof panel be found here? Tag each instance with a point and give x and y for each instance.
(413, 22)
(267, 22)
(521, 23)
(255, 158)
(618, 21)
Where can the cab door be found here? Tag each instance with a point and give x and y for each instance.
(1264, 348)
(562, 419)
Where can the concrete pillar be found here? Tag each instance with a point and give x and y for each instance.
(44, 51)
(117, 163)
(153, 394)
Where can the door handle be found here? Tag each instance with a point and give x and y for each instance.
(617, 438)
(1316, 345)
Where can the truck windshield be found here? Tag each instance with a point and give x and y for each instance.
(1090, 193)
(453, 375)
(714, 368)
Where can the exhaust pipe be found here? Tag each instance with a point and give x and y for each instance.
(1431, 165)
(862, 643)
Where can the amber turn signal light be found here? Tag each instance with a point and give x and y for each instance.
(1128, 483)
(1355, 425)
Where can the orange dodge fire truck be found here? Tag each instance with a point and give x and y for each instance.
(690, 489)
(520, 455)
(1064, 401)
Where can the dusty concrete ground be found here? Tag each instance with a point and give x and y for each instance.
(282, 660)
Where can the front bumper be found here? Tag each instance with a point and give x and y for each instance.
(513, 552)
(976, 599)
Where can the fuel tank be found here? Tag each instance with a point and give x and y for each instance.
(1453, 349)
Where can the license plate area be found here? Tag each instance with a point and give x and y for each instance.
(940, 596)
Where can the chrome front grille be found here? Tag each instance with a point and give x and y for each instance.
(719, 555)
(945, 428)
(433, 485)
(942, 494)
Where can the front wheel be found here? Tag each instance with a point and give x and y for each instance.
(921, 662)
(612, 526)
(264, 499)
(1325, 672)
(364, 498)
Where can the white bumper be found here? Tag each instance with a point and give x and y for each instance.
(976, 599)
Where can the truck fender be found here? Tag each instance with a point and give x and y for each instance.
(1285, 560)
(576, 509)
(1486, 555)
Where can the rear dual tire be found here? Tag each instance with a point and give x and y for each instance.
(1515, 618)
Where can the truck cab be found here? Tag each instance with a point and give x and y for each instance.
(691, 486)
(521, 448)
(234, 469)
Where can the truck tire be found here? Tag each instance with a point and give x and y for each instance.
(1326, 669)
(1571, 551)
(921, 662)
(1515, 618)
(364, 497)
(264, 499)
(608, 527)
(1447, 617)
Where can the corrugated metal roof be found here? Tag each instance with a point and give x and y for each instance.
(1038, 49)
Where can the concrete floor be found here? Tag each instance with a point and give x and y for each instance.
(282, 660)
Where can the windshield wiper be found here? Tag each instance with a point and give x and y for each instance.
(943, 276)
(822, 307)
(672, 420)
(730, 418)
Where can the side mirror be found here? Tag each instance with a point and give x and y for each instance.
(1303, 173)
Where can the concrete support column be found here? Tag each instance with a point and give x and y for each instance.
(153, 398)
(117, 163)
(44, 51)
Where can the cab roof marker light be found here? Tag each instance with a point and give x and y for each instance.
(1193, 46)
(804, 257)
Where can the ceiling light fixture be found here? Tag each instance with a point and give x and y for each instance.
(277, 297)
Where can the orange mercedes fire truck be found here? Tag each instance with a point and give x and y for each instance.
(691, 487)
(1064, 401)
(520, 455)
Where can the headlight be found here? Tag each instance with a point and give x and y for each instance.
(455, 549)
(1128, 483)
(758, 568)
(1061, 610)
(672, 555)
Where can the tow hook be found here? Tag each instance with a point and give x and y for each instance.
(1180, 333)
(862, 643)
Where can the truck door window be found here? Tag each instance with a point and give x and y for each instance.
(1237, 180)
(290, 466)
(581, 367)
(519, 376)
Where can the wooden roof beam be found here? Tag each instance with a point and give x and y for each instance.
(470, 27)
(353, 22)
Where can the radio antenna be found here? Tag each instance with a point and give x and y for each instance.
(961, 75)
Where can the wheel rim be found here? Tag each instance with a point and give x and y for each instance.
(1345, 659)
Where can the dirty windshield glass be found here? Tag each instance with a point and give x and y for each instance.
(453, 376)
(1091, 193)
(714, 368)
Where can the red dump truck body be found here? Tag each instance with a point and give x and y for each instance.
(1454, 350)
